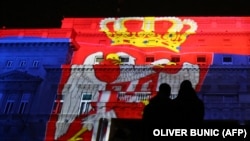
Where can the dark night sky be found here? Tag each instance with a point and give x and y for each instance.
(49, 13)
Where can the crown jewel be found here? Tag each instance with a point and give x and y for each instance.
(172, 37)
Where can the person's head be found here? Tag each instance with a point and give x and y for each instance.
(186, 84)
(164, 90)
(186, 90)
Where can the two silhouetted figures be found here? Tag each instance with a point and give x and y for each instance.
(162, 112)
(185, 111)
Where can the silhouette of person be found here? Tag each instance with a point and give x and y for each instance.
(155, 114)
(158, 113)
(188, 108)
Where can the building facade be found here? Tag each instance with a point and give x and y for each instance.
(30, 72)
(94, 68)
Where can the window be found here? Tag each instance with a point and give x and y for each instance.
(35, 63)
(133, 96)
(58, 103)
(221, 98)
(150, 59)
(85, 103)
(23, 107)
(201, 59)
(10, 103)
(230, 99)
(24, 103)
(9, 107)
(124, 59)
(210, 98)
(98, 59)
(228, 87)
(140, 96)
(117, 88)
(175, 59)
(227, 60)
(22, 63)
(9, 63)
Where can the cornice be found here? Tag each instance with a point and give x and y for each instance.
(87, 68)
(32, 44)
(16, 76)
(45, 33)
(201, 33)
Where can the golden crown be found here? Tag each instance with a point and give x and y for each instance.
(171, 38)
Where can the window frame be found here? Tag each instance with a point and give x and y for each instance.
(84, 103)
(22, 63)
(24, 100)
(97, 58)
(10, 108)
(175, 58)
(227, 62)
(149, 59)
(9, 63)
(124, 57)
(58, 103)
(201, 59)
(35, 63)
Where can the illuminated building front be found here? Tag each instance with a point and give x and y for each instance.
(118, 63)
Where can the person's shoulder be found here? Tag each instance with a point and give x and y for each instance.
(147, 106)
(150, 104)
(202, 104)
(200, 101)
(154, 100)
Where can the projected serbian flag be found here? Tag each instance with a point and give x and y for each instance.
(124, 60)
